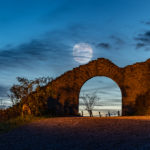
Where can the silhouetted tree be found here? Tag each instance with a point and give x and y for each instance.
(90, 101)
(25, 87)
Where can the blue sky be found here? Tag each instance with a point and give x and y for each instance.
(37, 37)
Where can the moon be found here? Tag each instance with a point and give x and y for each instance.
(82, 52)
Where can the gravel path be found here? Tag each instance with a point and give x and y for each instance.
(80, 133)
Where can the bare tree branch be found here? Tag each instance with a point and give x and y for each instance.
(89, 100)
(25, 87)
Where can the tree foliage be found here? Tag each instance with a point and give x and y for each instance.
(89, 101)
(25, 87)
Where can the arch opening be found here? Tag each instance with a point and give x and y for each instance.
(108, 93)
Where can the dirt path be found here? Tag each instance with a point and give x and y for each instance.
(126, 133)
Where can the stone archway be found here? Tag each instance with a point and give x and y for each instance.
(101, 68)
(133, 80)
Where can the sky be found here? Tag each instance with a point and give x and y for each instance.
(37, 37)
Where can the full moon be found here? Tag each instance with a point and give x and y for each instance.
(82, 53)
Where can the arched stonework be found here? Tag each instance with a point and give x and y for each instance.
(26, 110)
(133, 80)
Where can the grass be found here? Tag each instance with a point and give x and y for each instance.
(10, 124)
(13, 123)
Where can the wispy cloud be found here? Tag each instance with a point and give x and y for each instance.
(113, 42)
(28, 54)
(146, 22)
(104, 45)
(117, 40)
(143, 39)
(104, 89)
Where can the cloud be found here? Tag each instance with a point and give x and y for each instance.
(113, 42)
(3, 91)
(145, 37)
(45, 50)
(104, 45)
(117, 40)
(28, 54)
(146, 22)
(143, 40)
(103, 89)
(139, 45)
(20, 55)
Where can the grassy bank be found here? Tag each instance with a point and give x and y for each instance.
(10, 124)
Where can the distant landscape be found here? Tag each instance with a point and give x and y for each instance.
(102, 109)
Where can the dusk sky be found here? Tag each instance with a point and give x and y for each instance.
(37, 37)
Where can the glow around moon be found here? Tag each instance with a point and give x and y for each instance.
(82, 53)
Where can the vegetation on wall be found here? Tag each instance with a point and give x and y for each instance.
(30, 93)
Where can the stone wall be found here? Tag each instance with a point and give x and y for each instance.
(133, 81)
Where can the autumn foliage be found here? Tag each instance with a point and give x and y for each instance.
(30, 93)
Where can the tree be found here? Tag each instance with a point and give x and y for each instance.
(25, 87)
(89, 100)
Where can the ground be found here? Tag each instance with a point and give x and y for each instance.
(80, 133)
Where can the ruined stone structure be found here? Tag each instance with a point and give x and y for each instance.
(133, 81)
(61, 96)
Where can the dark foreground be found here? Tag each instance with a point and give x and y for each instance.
(77, 133)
